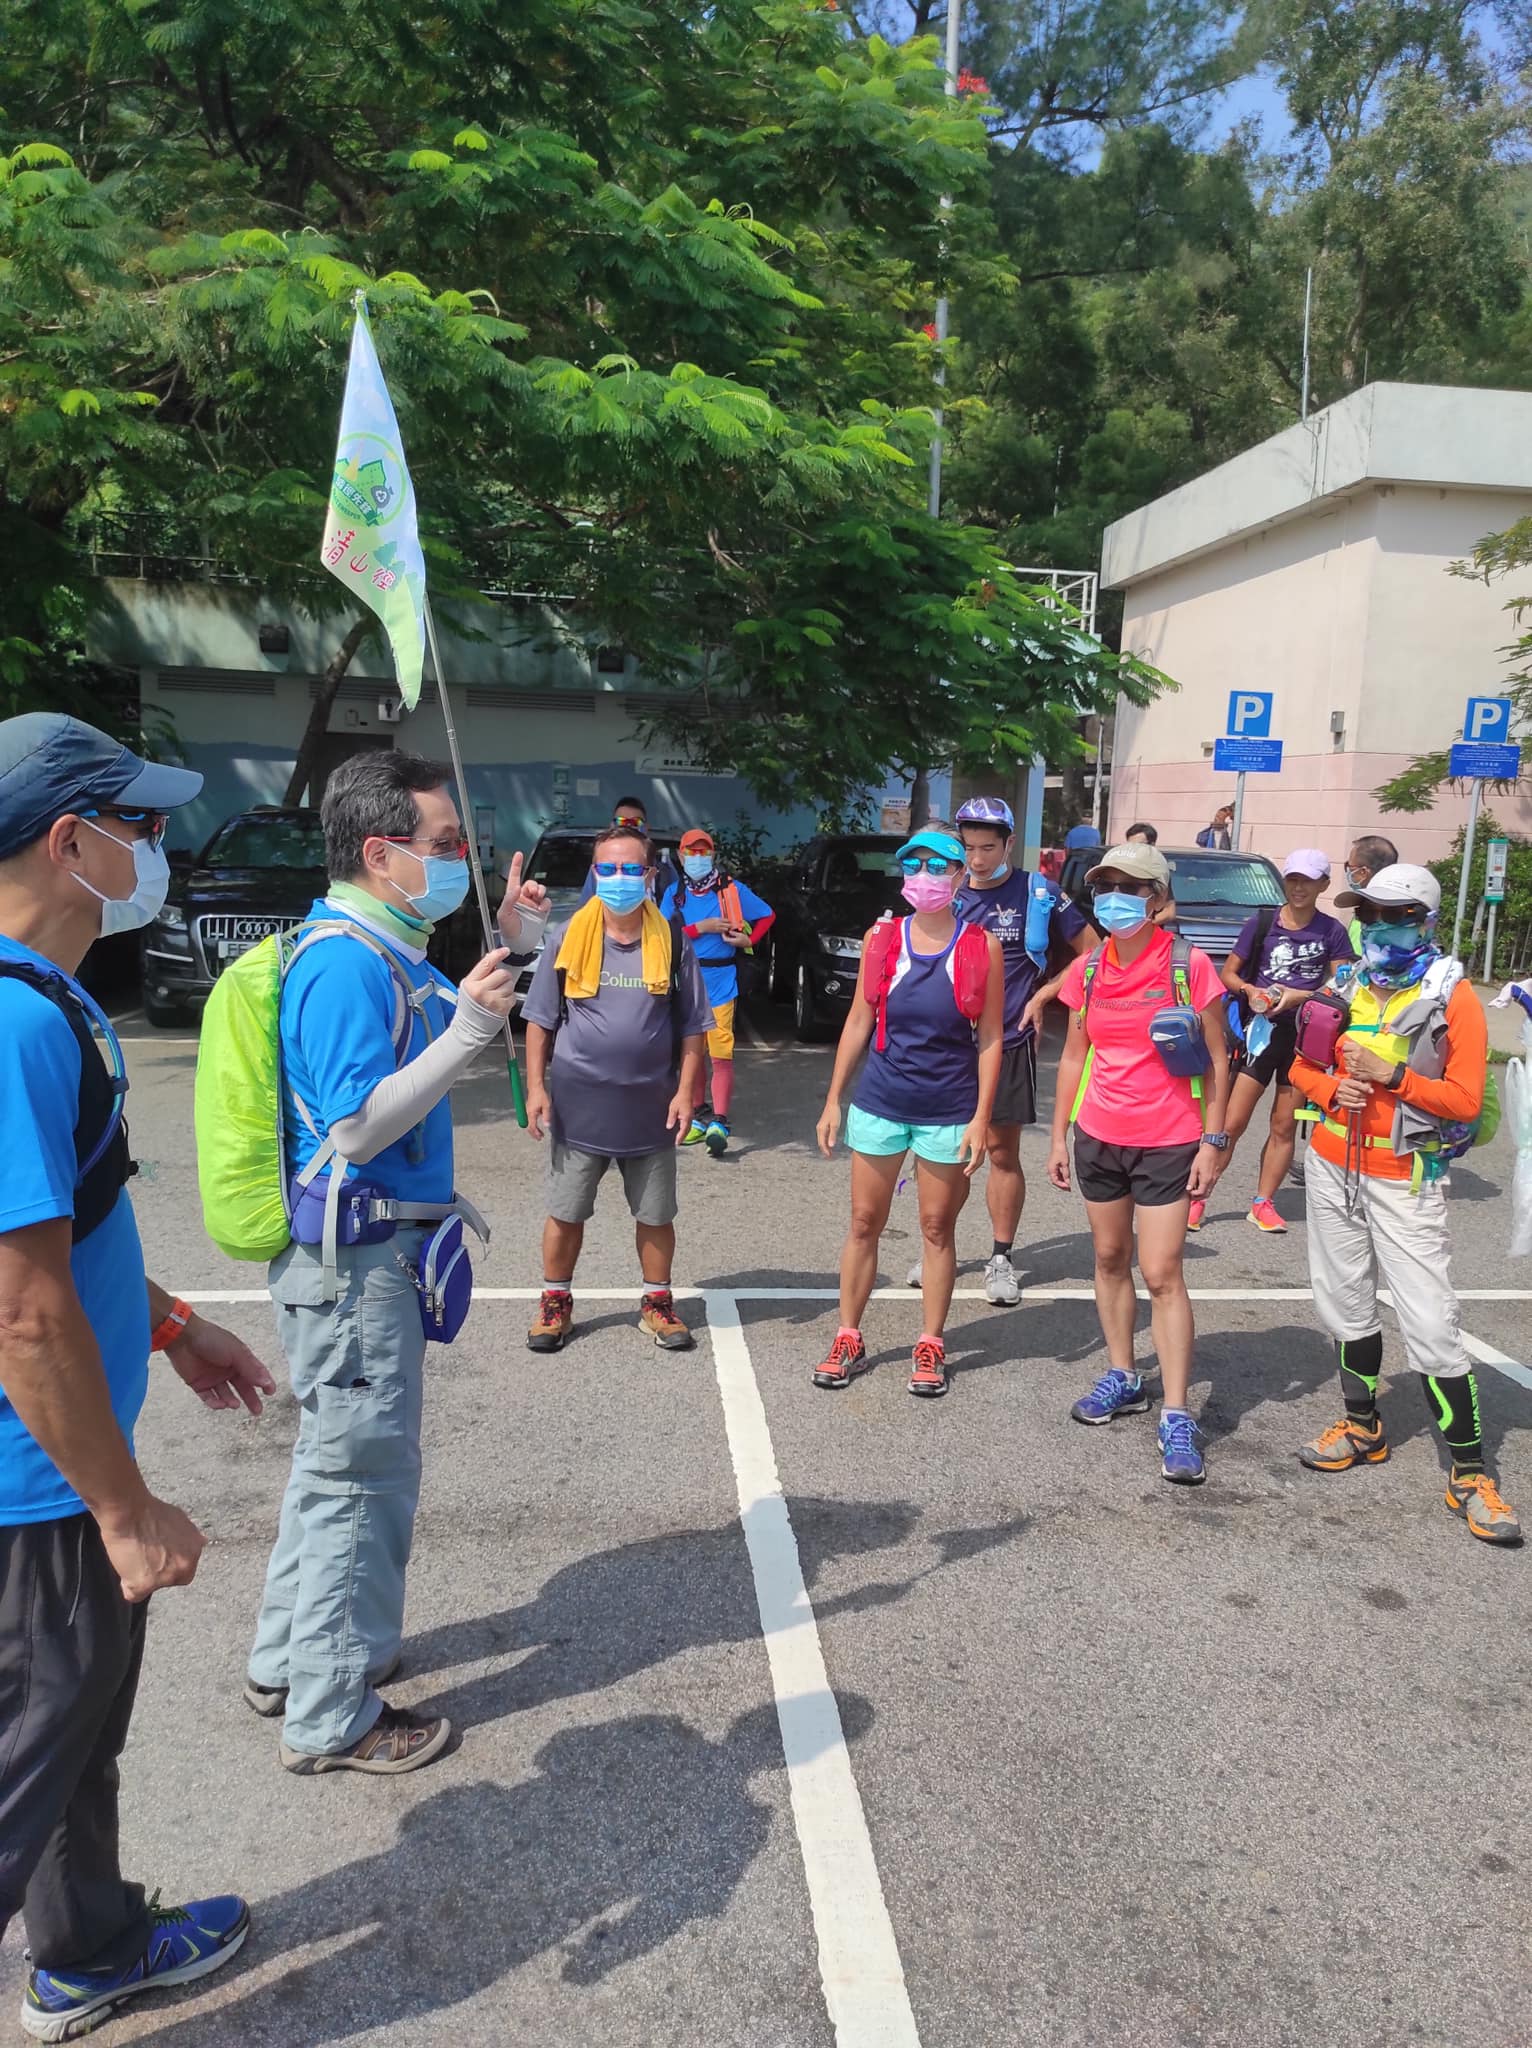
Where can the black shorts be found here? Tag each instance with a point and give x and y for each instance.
(1153, 1175)
(1016, 1097)
(1275, 1063)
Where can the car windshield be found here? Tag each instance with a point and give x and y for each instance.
(267, 843)
(849, 869)
(1248, 884)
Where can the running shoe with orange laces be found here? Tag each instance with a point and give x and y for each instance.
(1346, 1443)
(847, 1358)
(932, 1372)
(553, 1322)
(1474, 1496)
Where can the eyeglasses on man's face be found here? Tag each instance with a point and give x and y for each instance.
(148, 826)
(605, 869)
(444, 847)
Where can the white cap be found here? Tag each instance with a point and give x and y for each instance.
(1308, 861)
(1402, 883)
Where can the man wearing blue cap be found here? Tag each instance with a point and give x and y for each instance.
(83, 1542)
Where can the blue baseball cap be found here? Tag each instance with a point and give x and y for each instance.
(934, 840)
(50, 764)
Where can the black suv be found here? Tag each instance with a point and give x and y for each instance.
(1214, 892)
(258, 873)
(838, 886)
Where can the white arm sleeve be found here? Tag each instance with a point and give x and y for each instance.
(402, 1100)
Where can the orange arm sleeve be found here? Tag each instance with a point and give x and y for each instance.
(1314, 1083)
(1459, 1094)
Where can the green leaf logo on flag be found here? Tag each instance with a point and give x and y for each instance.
(371, 543)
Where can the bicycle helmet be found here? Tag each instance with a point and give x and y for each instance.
(987, 810)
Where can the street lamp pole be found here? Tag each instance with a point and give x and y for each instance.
(920, 788)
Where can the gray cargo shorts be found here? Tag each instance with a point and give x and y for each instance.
(648, 1181)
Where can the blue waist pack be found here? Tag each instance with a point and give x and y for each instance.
(355, 1220)
(1177, 1036)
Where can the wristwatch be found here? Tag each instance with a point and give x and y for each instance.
(1219, 1140)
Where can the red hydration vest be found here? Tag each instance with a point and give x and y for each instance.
(880, 958)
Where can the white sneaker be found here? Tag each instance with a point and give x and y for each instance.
(1000, 1283)
(913, 1277)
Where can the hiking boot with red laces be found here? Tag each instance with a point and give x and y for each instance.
(932, 1372)
(657, 1315)
(847, 1358)
(553, 1322)
(1474, 1496)
(1351, 1441)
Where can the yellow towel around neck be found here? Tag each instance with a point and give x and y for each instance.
(584, 944)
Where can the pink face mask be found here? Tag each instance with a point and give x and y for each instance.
(928, 892)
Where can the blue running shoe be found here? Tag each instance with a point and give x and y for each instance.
(1180, 1458)
(185, 1942)
(718, 1137)
(1115, 1393)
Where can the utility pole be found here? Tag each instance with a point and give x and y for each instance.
(920, 787)
(1308, 305)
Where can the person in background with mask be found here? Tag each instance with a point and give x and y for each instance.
(931, 1001)
(1409, 1077)
(83, 1542)
(1027, 915)
(630, 814)
(1370, 853)
(1281, 956)
(615, 1020)
(330, 1623)
(1143, 1146)
(722, 918)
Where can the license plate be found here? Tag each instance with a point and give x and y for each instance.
(231, 949)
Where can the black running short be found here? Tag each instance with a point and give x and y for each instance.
(1152, 1175)
(1016, 1097)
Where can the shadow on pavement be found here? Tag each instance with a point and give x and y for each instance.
(629, 1833)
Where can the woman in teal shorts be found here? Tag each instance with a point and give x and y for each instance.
(929, 1002)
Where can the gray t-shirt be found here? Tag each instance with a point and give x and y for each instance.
(612, 1076)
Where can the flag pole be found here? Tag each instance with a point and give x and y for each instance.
(476, 867)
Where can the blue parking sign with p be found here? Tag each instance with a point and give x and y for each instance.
(1487, 720)
(1250, 714)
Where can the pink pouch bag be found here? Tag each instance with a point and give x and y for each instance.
(1322, 1022)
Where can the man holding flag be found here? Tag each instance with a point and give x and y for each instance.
(372, 1039)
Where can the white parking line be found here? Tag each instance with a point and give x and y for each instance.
(859, 1963)
(1486, 1354)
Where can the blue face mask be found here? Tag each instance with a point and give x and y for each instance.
(621, 893)
(1397, 953)
(446, 885)
(698, 866)
(1116, 911)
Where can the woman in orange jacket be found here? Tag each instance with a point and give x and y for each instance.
(1405, 1090)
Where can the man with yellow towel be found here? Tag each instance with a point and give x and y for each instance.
(616, 1017)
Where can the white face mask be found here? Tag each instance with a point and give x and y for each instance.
(151, 884)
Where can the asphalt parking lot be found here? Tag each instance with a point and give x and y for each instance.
(795, 1718)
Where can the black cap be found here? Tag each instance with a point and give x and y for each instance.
(50, 764)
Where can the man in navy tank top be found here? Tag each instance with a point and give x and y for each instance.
(1027, 914)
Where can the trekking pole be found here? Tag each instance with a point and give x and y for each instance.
(476, 867)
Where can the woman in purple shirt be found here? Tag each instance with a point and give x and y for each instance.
(930, 999)
(1278, 959)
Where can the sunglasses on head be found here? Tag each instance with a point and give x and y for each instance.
(607, 868)
(933, 863)
(154, 822)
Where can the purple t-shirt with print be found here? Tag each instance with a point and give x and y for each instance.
(1298, 959)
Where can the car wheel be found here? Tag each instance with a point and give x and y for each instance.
(164, 1015)
(806, 1020)
(779, 988)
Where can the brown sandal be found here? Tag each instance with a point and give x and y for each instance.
(397, 1741)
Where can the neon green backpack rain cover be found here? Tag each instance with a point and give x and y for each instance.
(239, 1108)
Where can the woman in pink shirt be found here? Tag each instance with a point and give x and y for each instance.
(1147, 1141)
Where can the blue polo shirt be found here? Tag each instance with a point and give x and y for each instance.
(39, 1098)
(337, 1023)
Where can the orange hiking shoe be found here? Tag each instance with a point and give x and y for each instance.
(848, 1357)
(1344, 1444)
(553, 1322)
(657, 1315)
(932, 1372)
(1474, 1496)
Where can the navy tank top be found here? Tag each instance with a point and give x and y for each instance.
(929, 1073)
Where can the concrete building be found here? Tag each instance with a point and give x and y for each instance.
(1316, 567)
(547, 724)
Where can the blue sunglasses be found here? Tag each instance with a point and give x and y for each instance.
(607, 868)
(933, 863)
